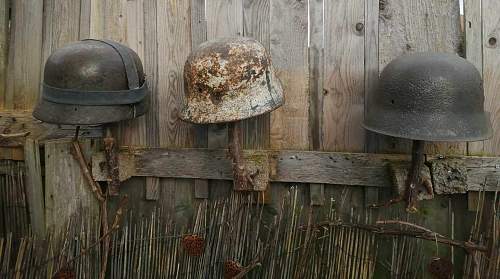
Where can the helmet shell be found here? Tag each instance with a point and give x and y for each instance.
(431, 97)
(88, 69)
(229, 79)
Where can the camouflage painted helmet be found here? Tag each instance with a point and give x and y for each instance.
(429, 96)
(229, 80)
(92, 82)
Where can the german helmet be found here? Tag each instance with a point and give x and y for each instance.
(229, 80)
(430, 97)
(92, 82)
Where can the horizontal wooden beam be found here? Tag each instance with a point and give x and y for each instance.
(357, 169)
(15, 126)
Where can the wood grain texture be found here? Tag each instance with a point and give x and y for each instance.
(491, 71)
(152, 184)
(255, 131)
(25, 54)
(34, 187)
(66, 191)
(198, 36)
(343, 104)
(473, 28)
(316, 90)
(362, 169)
(415, 26)
(4, 47)
(371, 78)
(174, 41)
(289, 31)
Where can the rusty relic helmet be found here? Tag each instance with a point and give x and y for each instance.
(92, 82)
(229, 80)
(431, 97)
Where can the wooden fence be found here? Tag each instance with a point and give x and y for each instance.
(327, 53)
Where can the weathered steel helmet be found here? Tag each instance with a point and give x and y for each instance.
(92, 82)
(431, 97)
(229, 80)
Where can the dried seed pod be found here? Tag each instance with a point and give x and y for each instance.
(231, 269)
(193, 244)
(441, 268)
(65, 273)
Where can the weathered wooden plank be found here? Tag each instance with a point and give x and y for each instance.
(473, 28)
(25, 54)
(174, 41)
(34, 187)
(255, 131)
(491, 71)
(22, 123)
(198, 36)
(151, 68)
(362, 169)
(343, 103)
(414, 26)
(289, 24)
(316, 67)
(66, 191)
(4, 46)
(371, 77)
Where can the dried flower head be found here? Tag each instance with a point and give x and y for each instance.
(231, 269)
(193, 244)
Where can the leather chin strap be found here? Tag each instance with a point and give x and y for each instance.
(135, 94)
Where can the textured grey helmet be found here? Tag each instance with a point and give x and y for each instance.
(431, 97)
(92, 82)
(229, 79)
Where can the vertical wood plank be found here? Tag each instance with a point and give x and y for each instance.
(34, 187)
(224, 19)
(491, 71)
(198, 36)
(473, 27)
(174, 41)
(414, 26)
(316, 67)
(25, 54)
(255, 131)
(343, 104)
(151, 68)
(4, 47)
(66, 190)
(371, 76)
(289, 127)
(290, 123)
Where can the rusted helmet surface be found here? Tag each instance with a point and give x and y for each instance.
(92, 82)
(229, 80)
(429, 96)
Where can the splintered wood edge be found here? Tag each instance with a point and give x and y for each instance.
(355, 169)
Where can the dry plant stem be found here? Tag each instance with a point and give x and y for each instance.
(422, 233)
(246, 270)
(242, 179)
(94, 187)
(398, 222)
(111, 154)
(413, 180)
